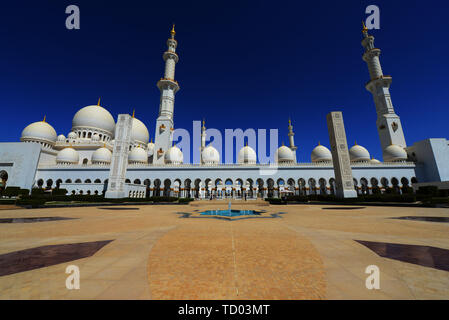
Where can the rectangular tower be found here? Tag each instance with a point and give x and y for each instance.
(344, 183)
(119, 162)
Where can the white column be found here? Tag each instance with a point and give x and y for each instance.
(119, 161)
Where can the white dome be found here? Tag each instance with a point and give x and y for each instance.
(210, 155)
(138, 155)
(68, 155)
(374, 161)
(359, 154)
(150, 148)
(284, 154)
(173, 156)
(247, 155)
(94, 117)
(39, 131)
(321, 154)
(394, 153)
(72, 135)
(139, 132)
(102, 155)
(61, 138)
(95, 137)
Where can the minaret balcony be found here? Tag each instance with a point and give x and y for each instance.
(165, 83)
(369, 54)
(170, 55)
(384, 81)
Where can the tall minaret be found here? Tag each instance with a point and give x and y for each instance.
(168, 87)
(388, 122)
(203, 140)
(291, 135)
(203, 136)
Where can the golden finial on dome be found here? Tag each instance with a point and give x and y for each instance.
(246, 144)
(98, 103)
(289, 121)
(151, 140)
(134, 113)
(355, 142)
(319, 143)
(365, 29)
(45, 117)
(283, 143)
(172, 32)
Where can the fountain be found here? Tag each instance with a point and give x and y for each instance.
(229, 212)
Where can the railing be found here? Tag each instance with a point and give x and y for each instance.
(232, 165)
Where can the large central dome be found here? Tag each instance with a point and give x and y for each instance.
(94, 117)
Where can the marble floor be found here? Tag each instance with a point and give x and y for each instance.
(160, 252)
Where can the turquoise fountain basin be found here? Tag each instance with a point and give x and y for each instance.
(229, 213)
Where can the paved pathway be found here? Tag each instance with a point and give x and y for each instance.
(308, 253)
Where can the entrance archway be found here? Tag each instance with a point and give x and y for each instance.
(157, 188)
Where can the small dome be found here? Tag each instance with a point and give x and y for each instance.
(138, 155)
(359, 154)
(139, 133)
(61, 138)
(68, 155)
(321, 154)
(284, 154)
(94, 117)
(102, 155)
(95, 137)
(39, 131)
(174, 156)
(394, 153)
(210, 155)
(247, 155)
(374, 161)
(72, 135)
(150, 148)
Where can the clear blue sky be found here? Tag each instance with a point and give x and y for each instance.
(243, 64)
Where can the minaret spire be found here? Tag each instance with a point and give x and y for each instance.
(364, 29)
(203, 135)
(388, 122)
(203, 140)
(172, 32)
(291, 138)
(168, 87)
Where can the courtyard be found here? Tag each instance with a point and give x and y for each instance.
(174, 252)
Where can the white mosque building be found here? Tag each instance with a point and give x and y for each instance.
(81, 161)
